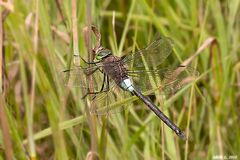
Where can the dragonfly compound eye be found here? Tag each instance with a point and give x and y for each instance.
(103, 53)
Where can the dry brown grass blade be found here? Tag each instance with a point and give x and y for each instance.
(205, 44)
(5, 130)
(76, 59)
(3, 116)
(7, 5)
(98, 38)
(92, 156)
(208, 42)
(59, 4)
(64, 36)
(97, 34)
(88, 42)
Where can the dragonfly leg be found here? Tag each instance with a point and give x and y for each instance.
(95, 93)
(104, 78)
(86, 61)
(91, 72)
(101, 90)
(88, 73)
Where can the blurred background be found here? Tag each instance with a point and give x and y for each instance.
(43, 119)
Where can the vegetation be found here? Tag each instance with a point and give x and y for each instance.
(41, 118)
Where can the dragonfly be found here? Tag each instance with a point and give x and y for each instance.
(132, 74)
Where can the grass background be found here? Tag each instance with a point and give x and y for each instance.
(46, 120)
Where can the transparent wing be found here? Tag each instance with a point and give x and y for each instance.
(168, 81)
(153, 55)
(103, 102)
(79, 77)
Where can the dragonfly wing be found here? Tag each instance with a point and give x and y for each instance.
(168, 80)
(110, 102)
(79, 77)
(106, 102)
(153, 55)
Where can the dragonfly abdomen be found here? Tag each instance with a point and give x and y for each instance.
(159, 113)
(126, 84)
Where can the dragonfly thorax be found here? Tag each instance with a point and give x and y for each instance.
(115, 69)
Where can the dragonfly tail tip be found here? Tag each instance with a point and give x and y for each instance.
(181, 135)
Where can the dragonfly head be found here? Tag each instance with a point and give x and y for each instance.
(102, 53)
